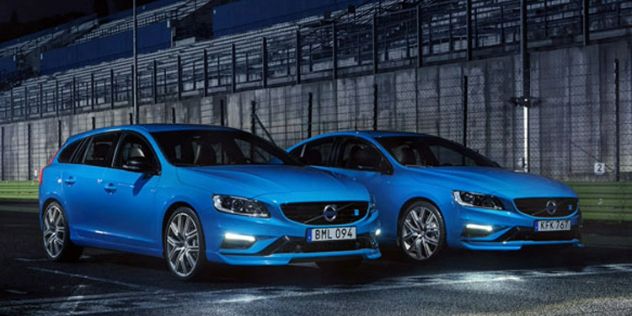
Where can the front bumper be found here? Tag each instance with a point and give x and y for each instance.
(509, 230)
(281, 242)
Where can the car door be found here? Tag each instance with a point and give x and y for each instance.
(129, 195)
(82, 184)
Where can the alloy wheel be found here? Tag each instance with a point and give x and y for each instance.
(183, 243)
(422, 231)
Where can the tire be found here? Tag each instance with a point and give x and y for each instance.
(184, 244)
(56, 235)
(340, 265)
(421, 231)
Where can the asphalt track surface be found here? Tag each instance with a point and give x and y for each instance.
(595, 280)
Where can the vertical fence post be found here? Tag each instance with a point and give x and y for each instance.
(173, 115)
(179, 77)
(112, 88)
(233, 70)
(585, 21)
(299, 56)
(12, 106)
(264, 62)
(29, 152)
(375, 109)
(41, 100)
(310, 113)
(222, 112)
(375, 44)
(205, 94)
(26, 103)
(526, 80)
(92, 94)
(253, 113)
(334, 51)
(74, 94)
(465, 92)
(468, 14)
(154, 80)
(56, 98)
(59, 133)
(420, 59)
(617, 119)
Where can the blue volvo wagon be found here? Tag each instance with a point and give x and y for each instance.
(193, 194)
(432, 192)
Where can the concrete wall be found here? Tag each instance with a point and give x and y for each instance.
(571, 128)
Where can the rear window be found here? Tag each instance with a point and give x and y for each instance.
(66, 155)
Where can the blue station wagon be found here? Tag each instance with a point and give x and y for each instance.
(432, 192)
(193, 194)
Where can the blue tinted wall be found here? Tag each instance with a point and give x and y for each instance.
(7, 64)
(150, 38)
(247, 15)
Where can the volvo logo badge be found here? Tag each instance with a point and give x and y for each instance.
(551, 207)
(330, 213)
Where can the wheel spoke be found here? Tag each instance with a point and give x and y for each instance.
(415, 220)
(418, 249)
(410, 227)
(427, 248)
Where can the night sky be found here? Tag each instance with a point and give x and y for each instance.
(31, 10)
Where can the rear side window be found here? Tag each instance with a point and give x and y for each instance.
(314, 153)
(67, 153)
(99, 150)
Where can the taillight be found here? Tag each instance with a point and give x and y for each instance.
(41, 174)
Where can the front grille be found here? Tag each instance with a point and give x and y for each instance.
(529, 234)
(312, 213)
(300, 245)
(542, 207)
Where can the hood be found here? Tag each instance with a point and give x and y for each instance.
(494, 181)
(283, 184)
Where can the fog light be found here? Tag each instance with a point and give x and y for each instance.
(378, 232)
(486, 228)
(237, 237)
(237, 241)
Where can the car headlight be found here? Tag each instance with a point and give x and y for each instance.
(470, 199)
(239, 206)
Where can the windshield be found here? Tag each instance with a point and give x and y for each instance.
(196, 148)
(432, 152)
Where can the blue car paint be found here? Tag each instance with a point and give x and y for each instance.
(394, 190)
(129, 216)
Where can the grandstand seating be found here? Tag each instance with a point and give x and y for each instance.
(354, 50)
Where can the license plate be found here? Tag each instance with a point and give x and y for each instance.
(554, 225)
(331, 234)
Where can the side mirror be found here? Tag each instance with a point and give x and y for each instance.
(138, 164)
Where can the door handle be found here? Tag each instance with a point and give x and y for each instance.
(70, 181)
(110, 188)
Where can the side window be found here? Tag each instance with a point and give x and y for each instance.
(133, 146)
(315, 153)
(449, 157)
(99, 150)
(359, 155)
(66, 154)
